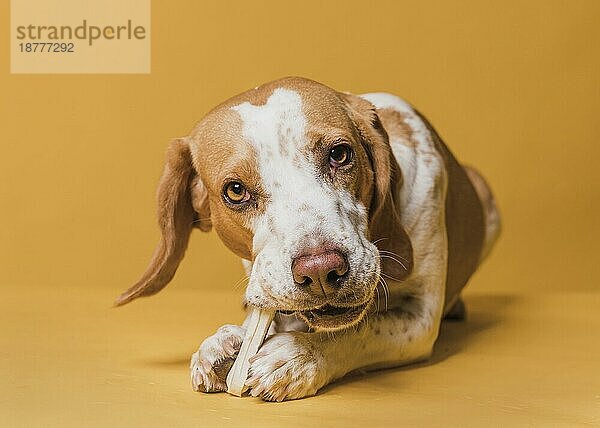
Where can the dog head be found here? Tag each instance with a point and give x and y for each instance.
(300, 180)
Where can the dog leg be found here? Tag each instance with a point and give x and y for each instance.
(293, 365)
(211, 363)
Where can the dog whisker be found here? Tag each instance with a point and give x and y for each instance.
(390, 277)
(378, 240)
(396, 260)
(393, 254)
(386, 251)
(385, 288)
(198, 220)
(240, 281)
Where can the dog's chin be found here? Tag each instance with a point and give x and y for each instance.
(329, 317)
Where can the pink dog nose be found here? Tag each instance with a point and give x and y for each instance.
(322, 272)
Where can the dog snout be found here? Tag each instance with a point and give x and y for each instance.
(320, 271)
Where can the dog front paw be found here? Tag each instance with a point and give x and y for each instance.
(288, 366)
(211, 363)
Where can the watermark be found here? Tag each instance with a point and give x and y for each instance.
(80, 36)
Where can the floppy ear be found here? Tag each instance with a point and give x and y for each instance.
(182, 205)
(384, 218)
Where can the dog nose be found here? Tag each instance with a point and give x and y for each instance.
(322, 272)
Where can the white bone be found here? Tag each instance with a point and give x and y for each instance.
(256, 330)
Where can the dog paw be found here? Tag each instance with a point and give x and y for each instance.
(211, 363)
(288, 366)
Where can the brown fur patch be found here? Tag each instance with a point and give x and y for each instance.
(175, 218)
(395, 124)
(222, 155)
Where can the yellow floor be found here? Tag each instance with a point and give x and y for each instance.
(69, 359)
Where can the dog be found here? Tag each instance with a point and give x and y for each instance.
(352, 218)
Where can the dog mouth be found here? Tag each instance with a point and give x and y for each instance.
(331, 317)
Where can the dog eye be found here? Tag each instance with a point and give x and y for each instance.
(340, 155)
(236, 193)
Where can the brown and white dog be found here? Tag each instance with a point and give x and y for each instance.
(352, 218)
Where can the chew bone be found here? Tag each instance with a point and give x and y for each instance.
(256, 330)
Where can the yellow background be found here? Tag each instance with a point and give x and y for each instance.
(513, 87)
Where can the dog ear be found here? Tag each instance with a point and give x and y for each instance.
(385, 228)
(182, 205)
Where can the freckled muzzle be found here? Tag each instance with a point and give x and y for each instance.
(323, 273)
(327, 280)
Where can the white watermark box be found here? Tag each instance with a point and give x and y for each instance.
(80, 36)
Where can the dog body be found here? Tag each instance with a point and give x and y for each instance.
(351, 216)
